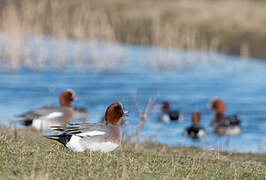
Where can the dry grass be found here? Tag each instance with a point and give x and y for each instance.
(232, 26)
(31, 156)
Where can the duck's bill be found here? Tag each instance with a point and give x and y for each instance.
(125, 113)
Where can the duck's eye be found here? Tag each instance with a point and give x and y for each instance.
(70, 94)
(214, 105)
(118, 108)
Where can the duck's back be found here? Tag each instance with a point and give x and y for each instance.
(46, 116)
(94, 137)
(195, 131)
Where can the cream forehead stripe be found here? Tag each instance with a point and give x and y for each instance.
(71, 90)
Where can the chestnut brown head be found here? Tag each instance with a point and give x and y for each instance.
(195, 118)
(114, 113)
(218, 105)
(165, 106)
(67, 97)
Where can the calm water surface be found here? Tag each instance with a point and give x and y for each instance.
(188, 80)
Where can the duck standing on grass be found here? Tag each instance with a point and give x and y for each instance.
(46, 116)
(195, 131)
(94, 137)
(169, 115)
(224, 125)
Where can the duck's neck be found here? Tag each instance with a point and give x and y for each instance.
(220, 118)
(64, 103)
(218, 115)
(166, 110)
(195, 124)
(112, 124)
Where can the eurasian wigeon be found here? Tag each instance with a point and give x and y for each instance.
(169, 115)
(94, 137)
(46, 116)
(195, 131)
(224, 125)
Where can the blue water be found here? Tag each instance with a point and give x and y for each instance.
(108, 73)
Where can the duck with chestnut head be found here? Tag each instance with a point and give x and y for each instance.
(46, 116)
(104, 137)
(224, 125)
(169, 115)
(195, 131)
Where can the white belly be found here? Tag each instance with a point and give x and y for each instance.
(234, 130)
(201, 133)
(79, 144)
(75, 144)
(41, 124)
(165, 118)
(103, 146)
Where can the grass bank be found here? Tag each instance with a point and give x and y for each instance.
(230, 26)
(27, 155)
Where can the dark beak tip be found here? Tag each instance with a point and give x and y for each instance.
(125, 113)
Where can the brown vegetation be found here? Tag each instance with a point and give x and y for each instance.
(232, 26)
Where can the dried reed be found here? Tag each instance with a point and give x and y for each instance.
(204, 25)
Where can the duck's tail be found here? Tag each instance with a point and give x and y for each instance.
(25, 122)
(62, 138)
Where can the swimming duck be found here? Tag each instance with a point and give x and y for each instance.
(227, 125)
(195, 131)
(169, 115)
(46, 116)
(94, 137)
(224, 125)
